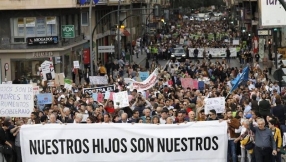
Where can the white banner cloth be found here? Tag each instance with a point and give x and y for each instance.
(195, 142)
(215, 52)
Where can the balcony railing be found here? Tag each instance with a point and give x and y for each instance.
(36, 4)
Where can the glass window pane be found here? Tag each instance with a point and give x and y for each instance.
(30, 26)
(41, 26)
(19, 27)
(51, 30)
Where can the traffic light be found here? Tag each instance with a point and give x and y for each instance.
(275, 29)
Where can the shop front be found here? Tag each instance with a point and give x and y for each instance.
(26, 64)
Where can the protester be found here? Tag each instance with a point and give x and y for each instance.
(265, 145)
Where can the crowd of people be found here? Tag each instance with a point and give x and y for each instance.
(255, 111)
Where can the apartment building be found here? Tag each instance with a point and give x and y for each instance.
(37, 30)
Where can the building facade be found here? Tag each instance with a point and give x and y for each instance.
(58, 30)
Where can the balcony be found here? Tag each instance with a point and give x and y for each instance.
(36, 4)
(115, 2)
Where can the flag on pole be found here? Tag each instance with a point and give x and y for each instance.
(85, 1)
(240, 78)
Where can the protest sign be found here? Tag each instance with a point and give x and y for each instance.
(44, 98)
(59, 79)
(217, 104)
(147, 84)
(48, 72)
(195, 142)
(187, 82)
(16, 100)
(98, 80)
(143, 75)
(101, 89)
(120, 99)
(68, 86)
(36, 90)
(76, 64)
(215, 52)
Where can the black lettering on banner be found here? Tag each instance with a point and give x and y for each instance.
(116, 145)
(214, 139)
(199, 142)
(161, 144)
(123, 141)
(184, 147)
(141, 145)
(41, 152)
(86, 148)
(176, 144)
(33, 147)
(77, 146)
(95, 145)
(191, 139)
(101, 146)
(207, 143)
(48, 152)
(56, 149)
(62, 145)
(150, 144)
(109, 147)
(134, 148)
(69, 146)
(169, 145)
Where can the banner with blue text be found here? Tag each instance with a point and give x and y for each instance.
(196, 142)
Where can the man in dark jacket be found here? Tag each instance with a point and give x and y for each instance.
(264, 107)
(254, 103)
(279, 112)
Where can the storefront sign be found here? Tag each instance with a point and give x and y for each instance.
(42, 40)
(67, 31)
(42, 54)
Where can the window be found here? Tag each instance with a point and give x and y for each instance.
(33, 27)
(84, 19)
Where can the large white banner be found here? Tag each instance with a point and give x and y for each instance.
(16, 100)
(195, 142)
(272, 13)
(215, 52)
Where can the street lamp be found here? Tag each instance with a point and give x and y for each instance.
(118, 30)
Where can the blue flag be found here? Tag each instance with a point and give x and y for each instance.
(85, 1)
(241, 77)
